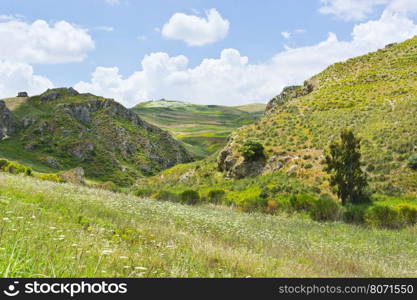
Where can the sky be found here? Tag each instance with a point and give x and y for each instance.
(209, 52)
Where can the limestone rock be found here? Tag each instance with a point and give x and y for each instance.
(7, 123)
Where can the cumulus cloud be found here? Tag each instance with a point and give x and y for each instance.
(286, 35)
(231, 79)
(196, 31)
(40, 42)
(20, 77)
(351, 9)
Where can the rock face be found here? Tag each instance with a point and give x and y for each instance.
(236, 167)
(22, 94)
(287, 94)
(7, 123)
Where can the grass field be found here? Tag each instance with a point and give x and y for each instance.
(203, 128)
(61, 230)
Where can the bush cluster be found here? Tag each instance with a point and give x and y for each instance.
(14, 168)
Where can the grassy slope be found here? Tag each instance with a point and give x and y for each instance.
(204, 128)
(375, 94)
(91, 233)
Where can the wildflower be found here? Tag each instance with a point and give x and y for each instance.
(141, 268)
(123, 257)
(107, 251)
(6, 219)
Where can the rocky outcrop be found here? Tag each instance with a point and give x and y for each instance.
(75, 176)
(288, 93)
(236, 167)
(7, 123)
(22, 94)
(53, 94)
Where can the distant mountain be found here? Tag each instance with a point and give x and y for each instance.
(203, 128)
(62, 129)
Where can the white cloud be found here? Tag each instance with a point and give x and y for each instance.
(40, 42)
(351, 9)
(231, 79)
(16, 77)
(113, 2)
(196, 31)
(286, 34)
(104, 28)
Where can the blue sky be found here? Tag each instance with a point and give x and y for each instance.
(220, 52)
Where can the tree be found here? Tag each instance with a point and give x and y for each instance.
(344, 166)
(252, 150)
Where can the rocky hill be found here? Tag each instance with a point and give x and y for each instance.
(62, 129)
(375, 95)
(203, 128)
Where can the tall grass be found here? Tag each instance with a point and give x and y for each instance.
(60, 230)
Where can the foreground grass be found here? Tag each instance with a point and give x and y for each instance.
(61, 230)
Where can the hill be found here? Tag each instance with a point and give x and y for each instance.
(203, 128)
(374, 94)
(62, 129)
(85, 232)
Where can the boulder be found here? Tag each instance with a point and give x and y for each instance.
(75, 176)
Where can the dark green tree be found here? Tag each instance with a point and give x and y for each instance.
(344, 165)
(252, 150)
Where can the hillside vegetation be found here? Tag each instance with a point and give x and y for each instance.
(203, 128)
(83, 232)
(375, 95)
(62, 129)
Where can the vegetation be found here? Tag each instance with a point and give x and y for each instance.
(344, 165)
(252, 150)
(202, 128)
(85, 232)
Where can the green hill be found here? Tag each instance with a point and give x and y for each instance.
(62, 129)
(203, 128)
(374, 94)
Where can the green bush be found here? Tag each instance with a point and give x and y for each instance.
(252, 150)
(142, 192)
(15, 168)
(302, 202)
(408, 213)
(50, 177)
(165, 196)
(190, 197)
(412, 161)
(216, 195)
(384, 216)
(110, 185)
(354, 214)
(3, 164)
(325, 209)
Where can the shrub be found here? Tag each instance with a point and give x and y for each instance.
(271, 206)
(325, 209)
(302, 202)
(252, 150)
(412, 161)
(110, 185)
(383, 216)
(3, 164)
(15, 168)
(216, 196)
(165, 196)
(50, 177)
(142, 192)
(408, 213)
(354, 214)
(190, 197)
